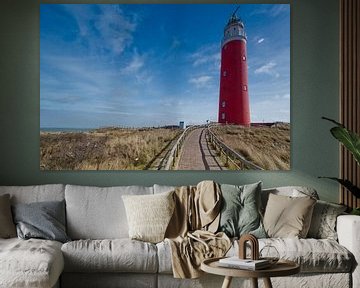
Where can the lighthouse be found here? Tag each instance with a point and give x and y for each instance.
(234, 105)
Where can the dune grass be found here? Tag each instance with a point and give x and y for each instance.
(267, 147)
(103, 149)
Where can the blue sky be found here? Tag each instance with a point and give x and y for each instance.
(140, 65)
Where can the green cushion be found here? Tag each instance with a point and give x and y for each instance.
(240, 213)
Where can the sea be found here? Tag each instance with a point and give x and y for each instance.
(66, 129)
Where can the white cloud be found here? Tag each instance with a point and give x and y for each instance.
(201, 81)
(135, 64)
(279, 9)
(206, 55)
(268, 68)
(136, 69)
(175, 43)
(143, 77)
(260, 40)
(115, 28)
(272, 10)
(106, 28)
(286, 96)
(270, 110)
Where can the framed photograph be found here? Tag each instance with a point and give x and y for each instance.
(165, 87)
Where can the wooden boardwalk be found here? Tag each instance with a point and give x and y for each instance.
(196, 154)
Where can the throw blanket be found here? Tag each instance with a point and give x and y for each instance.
(191, 231)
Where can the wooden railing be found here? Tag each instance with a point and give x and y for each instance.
(174, 153)
(229, 154)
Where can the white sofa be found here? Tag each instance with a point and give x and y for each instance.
(101, 254)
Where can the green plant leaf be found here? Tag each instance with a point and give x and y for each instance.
(347, 184)
(355, 211)
(333, 121)
(349, 139)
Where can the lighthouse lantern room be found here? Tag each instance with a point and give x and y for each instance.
(234, 92)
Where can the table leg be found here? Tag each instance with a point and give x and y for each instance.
(227, 282)
(267, 283)
(254, 282)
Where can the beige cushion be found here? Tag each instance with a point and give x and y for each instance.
(7, 226)
(292, 191)
(287, 217)
(110, 255)
(32, 263)
(149, 215)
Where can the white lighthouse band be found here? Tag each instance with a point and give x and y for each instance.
(227, 40)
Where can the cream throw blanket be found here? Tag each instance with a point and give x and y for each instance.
(191, 231)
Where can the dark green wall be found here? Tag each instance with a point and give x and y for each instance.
(314, 93)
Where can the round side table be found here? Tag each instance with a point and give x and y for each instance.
(281, 268)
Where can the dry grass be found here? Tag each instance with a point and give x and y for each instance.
(103, 149)
(268, 147)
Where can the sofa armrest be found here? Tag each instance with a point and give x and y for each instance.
(348, 230)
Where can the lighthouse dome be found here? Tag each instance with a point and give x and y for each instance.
(234, 29)
(234, 19)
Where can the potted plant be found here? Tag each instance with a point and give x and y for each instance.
(351, 141)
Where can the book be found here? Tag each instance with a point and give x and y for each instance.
(236, 262)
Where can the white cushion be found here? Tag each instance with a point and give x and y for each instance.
(149, 215)
(117, 255)
(30, 263)
(98, 213)
(37, 193)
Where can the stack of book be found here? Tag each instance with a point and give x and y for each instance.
(248, 264)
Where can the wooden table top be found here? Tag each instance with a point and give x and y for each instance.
(281, 268)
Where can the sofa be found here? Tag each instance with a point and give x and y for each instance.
(100, 253)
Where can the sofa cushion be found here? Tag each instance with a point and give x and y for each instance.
(240, 212)
(98, 213)
(30, 263)
(287, 216)
(36, 193)
(291, 191)
(149, 215)
(117, 255)
(323, 222)
(109, 280)
(43, 220)
(313, 255)
(7, 226)
(163, 188)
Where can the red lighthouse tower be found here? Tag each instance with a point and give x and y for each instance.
(234, 95)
